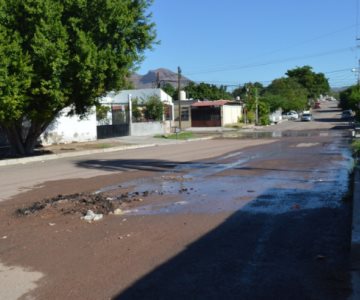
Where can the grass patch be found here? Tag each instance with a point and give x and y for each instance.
(104, 146)
(235, 125)
(355, 146)
(185, 135)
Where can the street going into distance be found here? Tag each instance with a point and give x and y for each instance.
(208, 219)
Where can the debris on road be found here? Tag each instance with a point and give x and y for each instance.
(92, 217)
(81, 203)
(78, 203)
(118, 211)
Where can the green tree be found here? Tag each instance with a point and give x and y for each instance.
(64, 53)
(154, 109)
(242, 91)
(350, 98)
(205, 91)
(136, 110)
(314, 83)
(285, 93)
(169, 89)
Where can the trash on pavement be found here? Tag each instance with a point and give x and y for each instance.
(118, 211)
(91, 216)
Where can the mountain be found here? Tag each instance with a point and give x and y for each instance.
(339, 89)
(154, 77)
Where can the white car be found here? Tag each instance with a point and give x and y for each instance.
(306, 116)
(291, 115)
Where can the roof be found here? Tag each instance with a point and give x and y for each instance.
(210, 103)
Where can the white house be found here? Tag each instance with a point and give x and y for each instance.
(122, 100)
(67, 129)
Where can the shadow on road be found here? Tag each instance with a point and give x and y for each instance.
(299, 254)
(153, 165)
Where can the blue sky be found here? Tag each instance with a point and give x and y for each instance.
(231, 42)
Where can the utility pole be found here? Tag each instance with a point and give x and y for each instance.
(158, 80)
(358, 74)
(256, 107)
(179, 85)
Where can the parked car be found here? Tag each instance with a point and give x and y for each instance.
(346, 114)
(291, 115)
(306, 116)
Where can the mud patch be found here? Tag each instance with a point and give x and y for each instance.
(81, 203)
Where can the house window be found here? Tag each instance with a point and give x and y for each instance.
(167, 112)
(185, 113)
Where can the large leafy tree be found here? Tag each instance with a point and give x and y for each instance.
(350, 98)
(64, 53)
(286, 93)
(314, 83)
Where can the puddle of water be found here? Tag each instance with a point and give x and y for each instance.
(206, 187)
(280, 134)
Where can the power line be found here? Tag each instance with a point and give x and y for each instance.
(319, 37)
(340, 75)
(249, 66)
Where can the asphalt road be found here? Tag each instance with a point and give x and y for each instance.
(261, 217)
(289, 234)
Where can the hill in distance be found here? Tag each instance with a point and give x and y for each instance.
(157, 77)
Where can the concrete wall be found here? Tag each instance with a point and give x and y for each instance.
(230, 114)
(65, 129)
(150, 128)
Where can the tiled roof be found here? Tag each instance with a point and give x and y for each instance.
(210, 103)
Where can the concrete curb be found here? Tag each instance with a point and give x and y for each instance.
(18, 161)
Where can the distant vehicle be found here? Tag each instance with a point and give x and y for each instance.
(317, 105)
(346, 114)
(306, 116)
(291, 115)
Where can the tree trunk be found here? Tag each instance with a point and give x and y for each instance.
(24, 145)
(15, 140)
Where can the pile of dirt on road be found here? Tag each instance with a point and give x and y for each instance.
(80, 203)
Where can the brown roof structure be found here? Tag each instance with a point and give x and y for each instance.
(210, 103)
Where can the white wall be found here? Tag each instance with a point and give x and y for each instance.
(150, 128)
(231, 114)
(70, 129)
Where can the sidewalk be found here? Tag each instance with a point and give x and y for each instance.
(99, 146)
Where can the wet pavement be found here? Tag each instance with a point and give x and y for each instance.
(288, 234)
(266, 179)
(249, 215)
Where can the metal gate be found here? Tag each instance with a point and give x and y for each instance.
(206, 116)
(119, 122)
